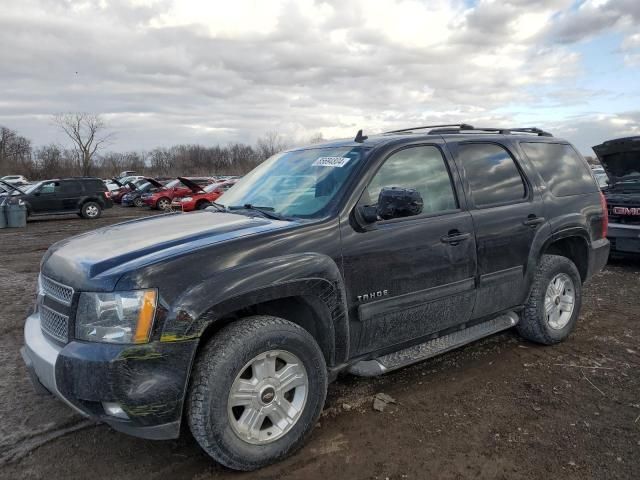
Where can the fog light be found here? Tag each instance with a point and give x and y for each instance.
(115, 410)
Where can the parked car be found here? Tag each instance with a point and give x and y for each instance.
(133, 198)
(201, 198)
(15, 180)
(86, 196)
(161, 199)
(126, 173)
(126, 187)
(621, 160)
(382, 252)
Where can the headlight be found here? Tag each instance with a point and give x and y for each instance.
(120, 317)
(186, 199)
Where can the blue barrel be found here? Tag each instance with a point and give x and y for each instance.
(16, 213)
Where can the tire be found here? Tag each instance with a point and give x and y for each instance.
(536, 323)
(202, 205)
(214, 423)
(91, 210)
(163, 204)
(137, 202)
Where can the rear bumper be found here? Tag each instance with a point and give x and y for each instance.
(148, 382)
(599, 256)
(624, 238)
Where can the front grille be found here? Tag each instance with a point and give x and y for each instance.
(57, 291)
(626, 219)
(54, 323)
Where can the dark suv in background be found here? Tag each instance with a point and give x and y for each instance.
(359, 256)
(621, 160)
(85, 196)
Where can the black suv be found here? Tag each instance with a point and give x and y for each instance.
(621, 160)
(86, 196)
(357, 256)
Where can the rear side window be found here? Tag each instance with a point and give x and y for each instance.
(564, 172)
(492, 174)
(70, 187)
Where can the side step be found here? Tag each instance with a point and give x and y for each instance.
(417, 353)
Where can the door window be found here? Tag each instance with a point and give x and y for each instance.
(422, 169)
(492, 174)
(70, 188)
(50, 187)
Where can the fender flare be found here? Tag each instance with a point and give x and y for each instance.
(315, 278)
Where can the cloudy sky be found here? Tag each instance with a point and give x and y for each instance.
(170, 71)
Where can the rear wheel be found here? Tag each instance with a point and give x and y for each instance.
(256, 392)
(202, 205)
(137, 202)
(163, 204)
(91, 210)
(553, 306)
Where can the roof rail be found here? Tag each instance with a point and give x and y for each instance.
(501, 131)
(459, 125)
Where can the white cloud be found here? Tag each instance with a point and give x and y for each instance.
(214, 71)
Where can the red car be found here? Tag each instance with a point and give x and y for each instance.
(202, 198)
(180, 187)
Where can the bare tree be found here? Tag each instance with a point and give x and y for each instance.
(87, 132)
(15, 151)
(270, 144)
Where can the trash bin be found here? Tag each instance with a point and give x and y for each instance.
(16, 213)
(3, 217)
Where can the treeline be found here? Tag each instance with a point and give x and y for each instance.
(19, 157)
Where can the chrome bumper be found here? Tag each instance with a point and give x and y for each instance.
(40, 356)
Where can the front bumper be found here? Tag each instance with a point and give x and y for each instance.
(624, 238)
(148, 381)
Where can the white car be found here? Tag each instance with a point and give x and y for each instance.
(15, 179)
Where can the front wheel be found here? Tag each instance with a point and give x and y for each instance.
(553, 306)
(91, 210)
(137, 202)
(256, 392)
(202, 205)
(163, 204)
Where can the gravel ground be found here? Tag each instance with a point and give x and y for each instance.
(499, 408)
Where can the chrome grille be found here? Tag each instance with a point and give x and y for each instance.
(54, 323)
(57, 291)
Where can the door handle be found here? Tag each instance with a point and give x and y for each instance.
(533, 221)
(454, 238)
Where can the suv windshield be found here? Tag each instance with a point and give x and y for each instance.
(300, 183)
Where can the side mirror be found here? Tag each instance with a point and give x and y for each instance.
(395, 202)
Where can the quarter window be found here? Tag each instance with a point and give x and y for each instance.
(492, 174)
(422, 169)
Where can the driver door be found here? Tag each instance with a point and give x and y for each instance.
(406, 279)
(48, 198)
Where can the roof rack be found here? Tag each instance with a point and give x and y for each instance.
(464, 127)
(459, 125)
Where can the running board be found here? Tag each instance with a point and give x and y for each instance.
(417, 353)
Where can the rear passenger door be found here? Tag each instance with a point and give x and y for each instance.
(70, 195)
(506, 212)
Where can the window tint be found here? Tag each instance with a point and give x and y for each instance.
(492, 174)
(564, 172)
(70, 187)
(422, 169)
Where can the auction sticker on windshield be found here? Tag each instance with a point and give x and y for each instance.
(331, 162)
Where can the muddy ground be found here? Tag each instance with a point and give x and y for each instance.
(499, 408)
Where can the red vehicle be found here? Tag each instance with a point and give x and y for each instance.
(201, 199)
(161, 199)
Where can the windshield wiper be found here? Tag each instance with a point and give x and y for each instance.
(265, 211)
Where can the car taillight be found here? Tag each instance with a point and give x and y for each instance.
(107, 194)
(605, 215)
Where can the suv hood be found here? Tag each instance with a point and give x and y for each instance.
(97, 259)
(621, 160)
